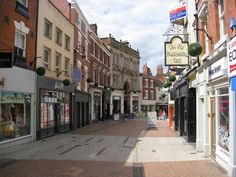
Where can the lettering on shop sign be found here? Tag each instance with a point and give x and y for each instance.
(59, 86)
(215, 70)
(176, 52)
(231, 54)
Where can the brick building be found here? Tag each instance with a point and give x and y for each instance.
(215, 97)
(18, 37)
(148, 86)
(100, 74)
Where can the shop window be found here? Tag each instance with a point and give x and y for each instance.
(223, 118)
(55, 108)
(15, 110)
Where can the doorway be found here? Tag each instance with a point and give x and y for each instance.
(213, 127)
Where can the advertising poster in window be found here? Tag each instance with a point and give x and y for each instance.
(224, 122)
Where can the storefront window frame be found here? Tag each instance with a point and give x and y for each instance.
(17, 130)
(219, 149)
(62, 99)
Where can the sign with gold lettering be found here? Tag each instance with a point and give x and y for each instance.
(176, 52)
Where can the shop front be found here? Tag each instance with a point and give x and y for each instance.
(185, 110)
(106, 94)
(17, 118)
(81, 109)
(96, 105)
(54, 111)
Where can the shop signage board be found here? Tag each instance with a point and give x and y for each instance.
(152, 119)
(231, 56)
(217, 69)
(178, 12)
(176, 52)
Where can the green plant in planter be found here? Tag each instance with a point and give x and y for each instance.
(111, 88)
(194, 49)
(66, 82)
(40, 71)
(172, 78)
(167, 84)
(163, 95)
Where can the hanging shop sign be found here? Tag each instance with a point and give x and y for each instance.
(231, 55)
(217, 69)
(178, 12)
(176, 52)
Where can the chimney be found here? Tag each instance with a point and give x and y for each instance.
(159, 69)
(94, 28)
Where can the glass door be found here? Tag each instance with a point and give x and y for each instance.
(212, 127)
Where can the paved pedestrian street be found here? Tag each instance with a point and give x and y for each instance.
(109, 149)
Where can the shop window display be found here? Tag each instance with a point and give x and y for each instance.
(15, 110)
(223, 112)
(55, 108)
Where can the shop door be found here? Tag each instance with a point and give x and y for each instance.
(191, 116)
(83, 113)
(57, 117)
(213, 127)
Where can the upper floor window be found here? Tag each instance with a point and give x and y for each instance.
(79, 22)
(58, 62)
(47, 56)
(152, 95)
(146, 94)
(67, 42)
(151, 83)
(67, 63)
(146, 82)
(23, 2)
(47, 28)
(58, 36)
(222, 18)
(79, 39)
(20, 43)
(86, 50)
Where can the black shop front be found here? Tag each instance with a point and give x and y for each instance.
(54, 107)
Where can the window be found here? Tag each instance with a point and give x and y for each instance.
(58, 36)
(86, 49)
(23, 2)
(79, 39)
(47, 28)
(67, 42)
(146, 94)
(20, 44)
(152, 95)
(47, 56)
(79, 22)
(151, 83)
(15, 115)
(222, 18)
(146, 82)
(223, 114)
(58, 62)
(67, 62)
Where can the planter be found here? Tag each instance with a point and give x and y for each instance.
(194, 49)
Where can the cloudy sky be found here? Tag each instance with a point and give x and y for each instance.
(141, 22)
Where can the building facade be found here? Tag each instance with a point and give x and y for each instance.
(215, 96)
(56, 55)
(17, 38)
(100, 75)
(148, 85)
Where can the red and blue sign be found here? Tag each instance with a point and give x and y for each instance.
(178, 12)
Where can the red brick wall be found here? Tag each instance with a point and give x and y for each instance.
(7, 30)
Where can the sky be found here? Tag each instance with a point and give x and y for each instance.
(141, 22)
